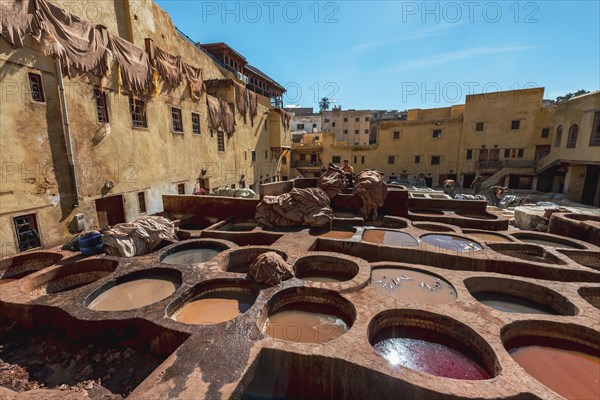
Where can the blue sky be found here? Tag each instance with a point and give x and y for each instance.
(405, 54)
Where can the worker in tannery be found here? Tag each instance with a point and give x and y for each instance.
(349, 171)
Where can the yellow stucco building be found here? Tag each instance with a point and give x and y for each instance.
(128, 149)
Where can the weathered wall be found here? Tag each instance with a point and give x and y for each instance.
(153, 160)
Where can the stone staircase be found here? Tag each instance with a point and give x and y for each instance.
(498, 176)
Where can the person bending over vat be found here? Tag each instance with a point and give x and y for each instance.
(476, 185)
(449, 187)
(496, 194)
(349, 171)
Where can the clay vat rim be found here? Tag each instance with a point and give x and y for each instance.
(158, 272)
(39, 281)
(448, 327)
(216, 285)
(507, 286)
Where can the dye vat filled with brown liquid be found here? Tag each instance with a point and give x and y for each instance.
(412, 286)
(390, 238)
(306, 322)
(429, 357)
(215, 307)
(511, 304)
(341, 235)
(192, 256)
(451, 242)
(549, 243)
(572, 374)
(135, 294)
(490, 237)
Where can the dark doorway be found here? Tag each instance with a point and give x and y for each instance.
(110, 211)
(513, 182)
(544, 183)
(590, 186)
(428, 181)
(467, 180)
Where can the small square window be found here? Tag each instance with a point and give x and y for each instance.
(220, 141)
(396, 135)
(314, 125)
(506, 153)
(520, 153)
(326, 119)
(37, 88)
(515, 125)
(181, 188)
(345, 119)
(345, 131)
(391, 160)
(479, 127)
(437, 133)
(27, 231)
(333, 124)
(417, 159)
(545, 133)
(366, 131)
(137, 108)
(356, 131)
(101, 109)
(299, 126)
(195, 123)
(469, 154)
(176, 120)
(142, 202)
(435, 160)
(336, 159)
(366, 119)
(357, 119)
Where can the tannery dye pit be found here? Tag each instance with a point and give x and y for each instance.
(356, 307)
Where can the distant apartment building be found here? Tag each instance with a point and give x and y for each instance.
(572, 164)
(350, 126)
(512, 138)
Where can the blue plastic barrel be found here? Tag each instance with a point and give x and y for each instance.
(91, 243)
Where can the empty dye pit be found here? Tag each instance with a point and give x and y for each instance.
(215, 307)
(431, 358)
(192, 256)
(325, 277)
(306, 322)
(412, 286)
(511, 304)
(135, 294)
(451, 242)
(549, 243)
(572, 374)
(490, 237)
(390, 238)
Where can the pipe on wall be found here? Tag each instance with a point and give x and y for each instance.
(67, 130)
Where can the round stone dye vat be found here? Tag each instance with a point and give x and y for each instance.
(70, 276)
(22, 265)
(431, 344)
(520, 297)
(134, 291)
(591, 295)
(322, 268)
(547, 240)
(410, 285)
(194, 251)
(214, 302)
(308, 316)
(389, 237)
(569, 368)
(451, 242)
(487, 236)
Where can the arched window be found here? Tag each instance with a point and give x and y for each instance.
(558, 137)
(572, 139)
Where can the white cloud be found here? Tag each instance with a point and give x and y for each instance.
(453, 56)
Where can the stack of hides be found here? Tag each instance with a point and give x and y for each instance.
(298, 207)
(372, 189)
